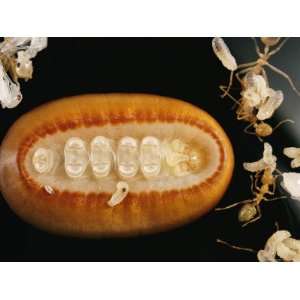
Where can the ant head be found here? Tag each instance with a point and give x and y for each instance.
(263, 129)
(267, 176)
(270, 41)
(247, 212)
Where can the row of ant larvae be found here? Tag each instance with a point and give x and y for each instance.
(179, 157)
(258, 101)
(16, 54)
(148, 155)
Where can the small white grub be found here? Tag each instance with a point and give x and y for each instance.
(293, 152)
(291, 183)
(223, 53)
(49, 189)
(268, 161)
(120, 194)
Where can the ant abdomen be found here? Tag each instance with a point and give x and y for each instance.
(247, 212)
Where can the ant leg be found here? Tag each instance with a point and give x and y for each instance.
(276, 198)
(239, 78)
(252, 132)
(282, 122)
(252, 184)
(237, 74)
(255, 219)
(247, 127)
(256, 180)
(256, 46)
(229, 85)
(264, 74)
(223, 89)
(233, 205)
(247, 65)
(287, 77)
(273, 186)
(278, 48)
(235, 247)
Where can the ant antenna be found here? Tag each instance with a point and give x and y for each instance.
(282, 122)
(235, 247)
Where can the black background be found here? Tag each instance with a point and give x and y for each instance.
(184, 68)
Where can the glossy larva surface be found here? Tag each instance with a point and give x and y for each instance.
(150, 156)
(43, 160)
(101, 156)
(104, 156)
(179, 158)
(76, 157)
(128, 157)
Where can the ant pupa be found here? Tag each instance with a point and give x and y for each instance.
(258, 66)
(262, 185)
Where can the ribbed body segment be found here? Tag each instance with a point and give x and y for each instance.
(60, 164)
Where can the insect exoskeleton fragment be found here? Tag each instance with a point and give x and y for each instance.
(114, 164)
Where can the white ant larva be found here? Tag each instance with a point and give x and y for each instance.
(49, 189)
(223, 53)
(120, 194)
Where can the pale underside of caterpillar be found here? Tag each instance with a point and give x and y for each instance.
(63, 164)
